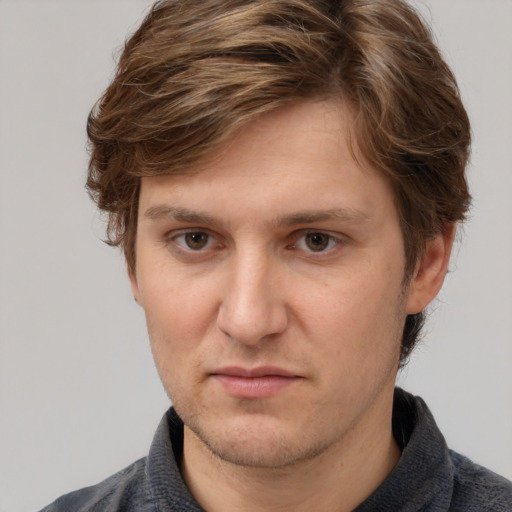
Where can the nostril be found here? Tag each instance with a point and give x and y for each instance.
(250, 325)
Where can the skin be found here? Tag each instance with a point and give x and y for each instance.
(281, 252)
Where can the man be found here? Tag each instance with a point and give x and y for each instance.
(285, 178)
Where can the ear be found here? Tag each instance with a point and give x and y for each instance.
(430, 271)
(134, 285)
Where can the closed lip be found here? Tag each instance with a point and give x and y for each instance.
(260, 371)
(254, 383)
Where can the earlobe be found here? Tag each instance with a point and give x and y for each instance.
(430, 271)
(134, 286)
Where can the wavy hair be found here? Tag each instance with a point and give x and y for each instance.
(195, 71)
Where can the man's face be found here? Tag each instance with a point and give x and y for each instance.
(272, 283)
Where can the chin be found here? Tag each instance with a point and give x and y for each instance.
(257, 445)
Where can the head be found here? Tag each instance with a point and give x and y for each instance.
(197, 71)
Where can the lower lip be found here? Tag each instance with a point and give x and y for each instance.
(254, 387)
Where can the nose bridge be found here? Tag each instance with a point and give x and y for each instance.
(252, 307)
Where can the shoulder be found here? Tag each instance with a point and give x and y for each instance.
(478, 489)
(125, 491)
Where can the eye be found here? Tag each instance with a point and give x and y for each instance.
(194, 240)
(316, 242)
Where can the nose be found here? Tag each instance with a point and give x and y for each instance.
(253, 308)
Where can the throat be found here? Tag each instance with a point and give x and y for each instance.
(336, 480)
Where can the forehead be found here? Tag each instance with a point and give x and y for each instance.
(295, 159)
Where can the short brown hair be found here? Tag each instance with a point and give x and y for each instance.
(197, 70)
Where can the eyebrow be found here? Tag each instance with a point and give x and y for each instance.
(351, 215)
(309, 217)
(181, 214)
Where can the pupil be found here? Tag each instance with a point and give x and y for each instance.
(317, 241)
(196, 240)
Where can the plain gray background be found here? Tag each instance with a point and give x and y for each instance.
(79, 395)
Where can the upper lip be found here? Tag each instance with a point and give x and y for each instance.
(260, 371)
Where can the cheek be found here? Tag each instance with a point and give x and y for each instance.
(358, 316)
(173, 340)
(178, 313)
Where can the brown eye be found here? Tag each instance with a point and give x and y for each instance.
(197, 240)
(317, 242)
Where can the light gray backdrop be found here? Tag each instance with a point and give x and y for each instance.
(79, 396)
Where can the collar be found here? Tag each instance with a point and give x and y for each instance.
(422, 479)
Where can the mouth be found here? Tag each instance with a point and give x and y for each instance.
(254, 383)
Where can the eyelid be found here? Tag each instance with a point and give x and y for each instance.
(215, 241)
(337, 238)
(172, 236)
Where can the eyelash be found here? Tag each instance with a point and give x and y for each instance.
(298, 238)
(331, 242)
(175, 236)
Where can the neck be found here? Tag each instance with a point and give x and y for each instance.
(337, 480)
